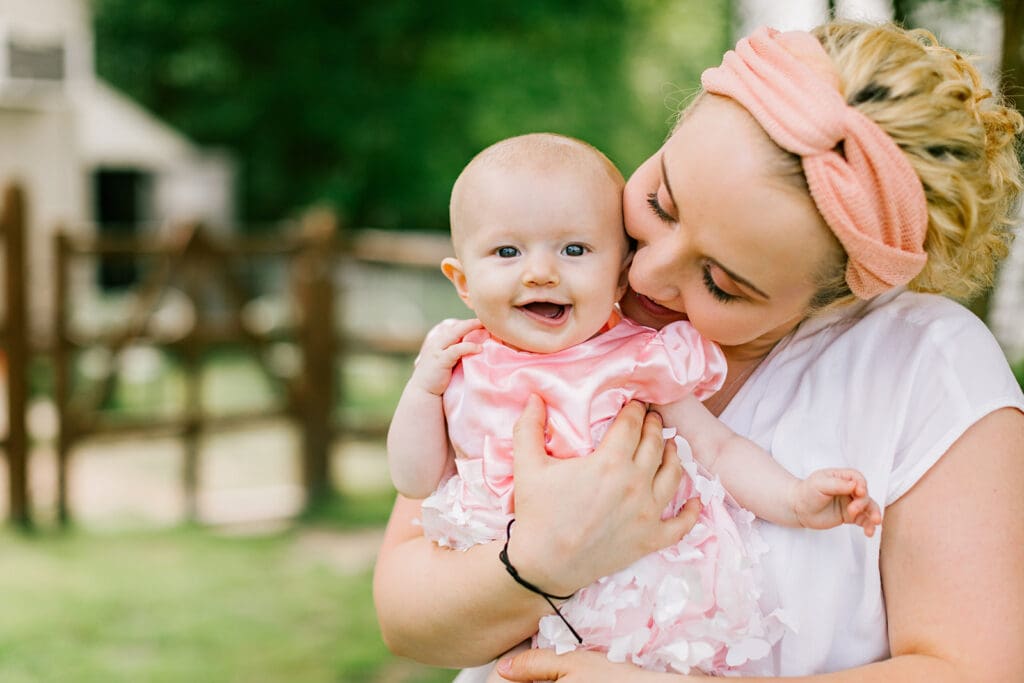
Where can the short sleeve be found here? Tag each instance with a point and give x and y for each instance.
(885, 386)
(960, 375)
(678, 361)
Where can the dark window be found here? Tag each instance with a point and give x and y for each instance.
(121, 200)
(37, 63)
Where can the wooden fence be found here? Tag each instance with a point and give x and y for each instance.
(14, 335)
(191, 260)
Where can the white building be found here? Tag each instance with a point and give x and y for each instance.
(88, 157)
(801, 15)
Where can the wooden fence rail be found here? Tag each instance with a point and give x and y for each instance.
(190, 260)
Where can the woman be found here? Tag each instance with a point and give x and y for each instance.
(797, 236)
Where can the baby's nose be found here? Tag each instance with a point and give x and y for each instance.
(540, 272)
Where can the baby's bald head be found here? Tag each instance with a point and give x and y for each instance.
(539, 153)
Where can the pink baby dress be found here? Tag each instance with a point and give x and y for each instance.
(692, 605)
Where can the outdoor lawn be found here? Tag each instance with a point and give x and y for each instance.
(195, 605)
(124, 598)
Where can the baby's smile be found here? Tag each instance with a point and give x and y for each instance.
(547, 312)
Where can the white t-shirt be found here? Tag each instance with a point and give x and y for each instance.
(885, 387)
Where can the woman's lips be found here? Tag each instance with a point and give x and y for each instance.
(657, 309)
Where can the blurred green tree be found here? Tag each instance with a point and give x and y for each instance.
(375, 107)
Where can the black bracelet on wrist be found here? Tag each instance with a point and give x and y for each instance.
(503, 556)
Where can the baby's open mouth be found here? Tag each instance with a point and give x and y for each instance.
(546, 310)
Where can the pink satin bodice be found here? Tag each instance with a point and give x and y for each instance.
(693, 606)
(584, 387)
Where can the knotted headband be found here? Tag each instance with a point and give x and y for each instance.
(869, 195)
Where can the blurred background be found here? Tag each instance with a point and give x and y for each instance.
(221, 224)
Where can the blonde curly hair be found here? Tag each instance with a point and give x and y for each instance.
(960, 138)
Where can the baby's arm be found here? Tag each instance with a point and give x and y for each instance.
(825, 499)
(417, 437)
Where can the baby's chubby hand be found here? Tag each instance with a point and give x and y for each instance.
(834, 496)
(441, 350)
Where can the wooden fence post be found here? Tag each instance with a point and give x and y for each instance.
(197, 262)
(316, 298)
(63, 357)
(16, 347)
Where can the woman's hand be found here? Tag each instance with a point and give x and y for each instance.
(579, 519)
(580, 666)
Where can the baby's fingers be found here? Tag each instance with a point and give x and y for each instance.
(460, 328)
(450, 331)
(839, 482)
(451, 355)
(867, 524)
(865, 513)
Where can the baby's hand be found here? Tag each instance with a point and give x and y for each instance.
(441, 350)
(830, 497)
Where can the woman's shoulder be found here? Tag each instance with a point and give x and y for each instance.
(891, 383)
(907, 320)
(924, 312)
(881, 348)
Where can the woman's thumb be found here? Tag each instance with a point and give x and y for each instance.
(528, 433)
(532, 665)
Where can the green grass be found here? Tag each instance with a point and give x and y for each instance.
(187, 606)
(353, 510)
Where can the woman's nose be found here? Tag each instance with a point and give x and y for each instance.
(659, 270)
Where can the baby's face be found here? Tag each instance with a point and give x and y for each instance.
(542, 255)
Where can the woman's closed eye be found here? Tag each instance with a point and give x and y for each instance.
(659, 211)
(713, 288)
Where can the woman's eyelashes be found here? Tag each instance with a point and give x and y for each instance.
(709, 281)
(652, 201)
(713, 288)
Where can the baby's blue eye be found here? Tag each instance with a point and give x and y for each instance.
(574, 250)
(507, 252)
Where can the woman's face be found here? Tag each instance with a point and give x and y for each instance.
(724, 239)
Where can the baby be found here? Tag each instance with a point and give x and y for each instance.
(541, 259)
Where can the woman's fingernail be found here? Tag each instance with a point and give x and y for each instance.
(504, 665)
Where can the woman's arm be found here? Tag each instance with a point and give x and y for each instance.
(445, 607)
(953, 559)
(952, 567)
(577, 520)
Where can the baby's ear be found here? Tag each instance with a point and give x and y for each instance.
(452, 269)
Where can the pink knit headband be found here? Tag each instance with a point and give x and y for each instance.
(869, 195)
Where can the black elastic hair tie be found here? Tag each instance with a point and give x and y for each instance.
(503, 556)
